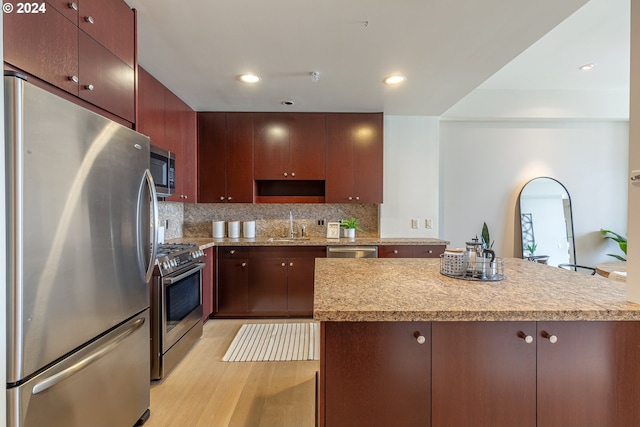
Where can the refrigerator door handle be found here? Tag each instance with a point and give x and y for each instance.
(148, 179)
(99, 353)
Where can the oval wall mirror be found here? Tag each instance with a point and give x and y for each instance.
(546, 221)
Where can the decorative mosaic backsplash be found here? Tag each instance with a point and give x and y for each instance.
(272, 220)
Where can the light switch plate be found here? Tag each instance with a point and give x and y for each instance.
(333, 230)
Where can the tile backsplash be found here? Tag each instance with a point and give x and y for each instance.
(272, 220)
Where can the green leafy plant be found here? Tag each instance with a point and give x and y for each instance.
(350, 223)
(486, 239)
(621, 240)
(531, 247)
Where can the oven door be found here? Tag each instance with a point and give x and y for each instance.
(182, 305)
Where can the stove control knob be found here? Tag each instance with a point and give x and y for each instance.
(174, 262)
(165, 265)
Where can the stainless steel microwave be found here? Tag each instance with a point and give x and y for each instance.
(163, 169)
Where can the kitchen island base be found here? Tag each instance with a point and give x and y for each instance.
(514, 373)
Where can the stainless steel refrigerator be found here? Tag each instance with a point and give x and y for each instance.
(81, 213)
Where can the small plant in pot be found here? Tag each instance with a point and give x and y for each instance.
(350, 225)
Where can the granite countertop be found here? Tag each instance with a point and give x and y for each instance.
(206, 242)
(414, 290)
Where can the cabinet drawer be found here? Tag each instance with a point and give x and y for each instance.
(232, 252)
(288, 252)
(428, 251)
(395, 251)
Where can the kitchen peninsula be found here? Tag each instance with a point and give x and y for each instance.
(404, 345)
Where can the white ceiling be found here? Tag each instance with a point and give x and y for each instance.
(445, 48)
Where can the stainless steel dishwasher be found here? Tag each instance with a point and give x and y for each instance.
(352, 251)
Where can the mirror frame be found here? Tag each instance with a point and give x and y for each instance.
(568, 218)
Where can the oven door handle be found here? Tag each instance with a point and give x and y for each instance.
(174, 279)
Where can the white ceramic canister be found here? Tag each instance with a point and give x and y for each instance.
(233, 229)
(249, 229)
(454, 262)
(217, 228)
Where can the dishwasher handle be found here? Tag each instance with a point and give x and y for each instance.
(348, 251)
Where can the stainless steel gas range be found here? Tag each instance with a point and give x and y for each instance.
(176, 305)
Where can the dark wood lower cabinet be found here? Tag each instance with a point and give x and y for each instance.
(266, 281)
(475, 374)
(375, 374)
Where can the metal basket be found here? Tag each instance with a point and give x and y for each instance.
(481, 270)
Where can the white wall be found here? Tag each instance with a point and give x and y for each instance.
(484, 165)
(411, 176)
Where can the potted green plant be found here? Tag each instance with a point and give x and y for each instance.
(531, 247)
(621, 240)
(350, 225)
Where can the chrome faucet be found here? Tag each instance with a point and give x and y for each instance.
(291, 234)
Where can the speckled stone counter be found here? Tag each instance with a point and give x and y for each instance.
(206, 242)
(414, 290)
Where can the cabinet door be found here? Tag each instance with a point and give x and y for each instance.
(589, 376)
(268, 286)
(428, 251)
(239, 157)
(43, 44)
(111, 23)
(484, 374)
(232, 294)
(212, 134)
(180, 134)
(367, 158)
(271, 146)
(395, 251)
(307, 146)
(207, 283)
(150, 120)
(375, 374)
(300, 286)
(105, 80)
(340, 162)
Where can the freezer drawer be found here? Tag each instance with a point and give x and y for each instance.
(104, 384)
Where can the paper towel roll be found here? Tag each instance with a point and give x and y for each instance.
(217, 229)
(248, 229)
(233, 231)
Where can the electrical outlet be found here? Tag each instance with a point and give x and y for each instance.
(166, 223)
(428, 223)
(414, 223)
(321, 222)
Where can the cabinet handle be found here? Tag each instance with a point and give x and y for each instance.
(222, 198)
(244, 264)
(293, 174)
(552, 338)
(182, 196)
(88, 87)
(74, 79)
(430, 251)
(395, 251)
(89, 19)
(73, 5)
(527, 338)
(283, 264)
(290, 264)
(419, 338)
(350, 198)
(232, 251)
(357, 198)
(285, 174)
(229, 198)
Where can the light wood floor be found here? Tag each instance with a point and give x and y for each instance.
(202, 391)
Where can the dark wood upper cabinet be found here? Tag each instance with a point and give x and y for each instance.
(95, 62)
(289, 146)
(112, 23)
(44, 45)
(150, 120)
(225, 157)
(105, 80)
(354, 158)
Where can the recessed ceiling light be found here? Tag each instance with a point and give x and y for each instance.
(249, 78)
(587, 67)
(394, 80)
